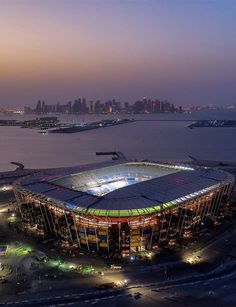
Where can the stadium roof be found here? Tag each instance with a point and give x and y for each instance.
(167, 186)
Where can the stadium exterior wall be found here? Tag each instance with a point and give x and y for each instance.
(122, 235)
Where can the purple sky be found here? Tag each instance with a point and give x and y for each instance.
(58, 50)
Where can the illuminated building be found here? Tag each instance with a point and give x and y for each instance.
(122, 207)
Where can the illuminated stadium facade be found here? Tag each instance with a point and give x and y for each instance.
(122, 207)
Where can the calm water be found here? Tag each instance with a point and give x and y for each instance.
(142, 140)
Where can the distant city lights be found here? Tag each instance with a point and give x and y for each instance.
(5, 188)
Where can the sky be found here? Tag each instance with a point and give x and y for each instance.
(58, 50)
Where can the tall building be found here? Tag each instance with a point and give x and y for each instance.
(91, 107)
(84, 106)
(38, 109)
(69, 107)
(77, 106)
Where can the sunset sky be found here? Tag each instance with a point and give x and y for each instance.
(59, 50)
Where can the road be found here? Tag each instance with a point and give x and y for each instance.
(219, 290)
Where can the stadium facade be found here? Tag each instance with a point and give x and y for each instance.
(122, 207)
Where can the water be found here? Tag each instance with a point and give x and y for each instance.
(168, 141)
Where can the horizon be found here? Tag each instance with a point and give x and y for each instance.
(61, 50)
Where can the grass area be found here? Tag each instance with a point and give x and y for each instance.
(69, 266)
(22, 249)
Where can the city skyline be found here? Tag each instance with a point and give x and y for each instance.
(54, 50)
(81, 105)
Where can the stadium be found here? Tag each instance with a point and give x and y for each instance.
(122, 207)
